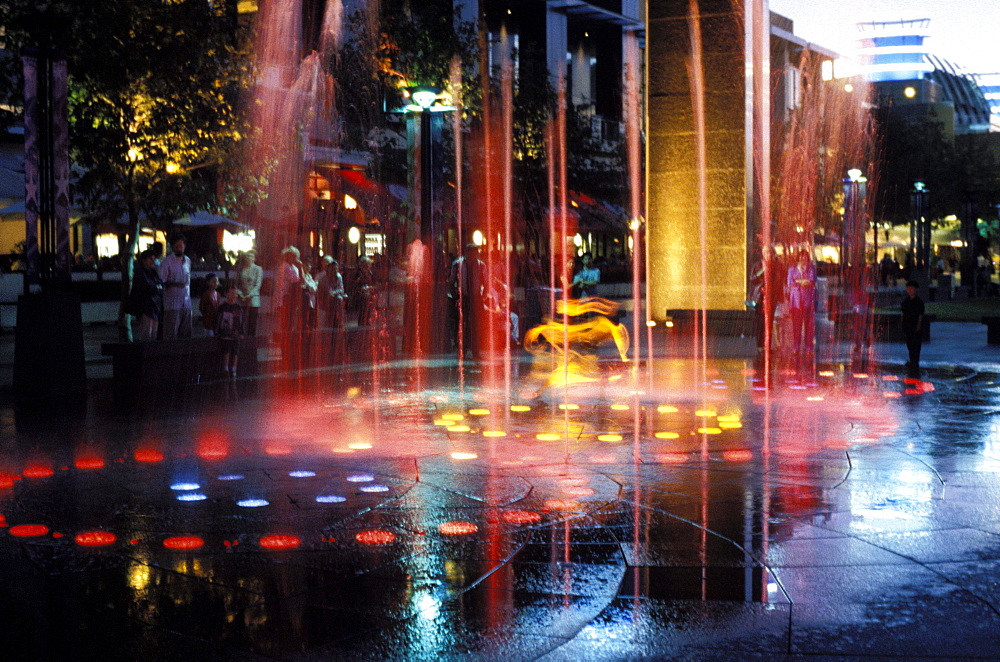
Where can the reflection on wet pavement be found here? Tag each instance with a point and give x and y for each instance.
(337, 518)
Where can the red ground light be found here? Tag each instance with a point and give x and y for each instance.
(375, 537)
(148, 455)
(38, 471)
(7, 480)
(95, 538)
(521, 517)
(457, 528)
(89, 462)
(280, 542)
(29, 530)
(183, 542)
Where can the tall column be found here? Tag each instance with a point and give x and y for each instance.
(674, 217)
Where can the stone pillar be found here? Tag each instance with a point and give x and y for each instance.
(673, 217)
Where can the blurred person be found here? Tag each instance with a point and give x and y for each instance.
(209, 304)
(229, 330)
(586, 278)
(331, 294)
(249, 277)
(145, 300)
(912, 322)
(801, 292)
(175, 272)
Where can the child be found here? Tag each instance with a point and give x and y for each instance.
(229, 328)
(209, 305)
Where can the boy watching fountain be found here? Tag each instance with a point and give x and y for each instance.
(229, 329)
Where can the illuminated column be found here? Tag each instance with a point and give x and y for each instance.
(732, 69)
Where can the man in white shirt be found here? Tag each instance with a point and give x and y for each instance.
(175, 272)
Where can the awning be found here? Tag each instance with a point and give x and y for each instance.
(378, 200)
(203, 219)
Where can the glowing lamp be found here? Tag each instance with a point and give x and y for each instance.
(478, 238)
(354, 234)
(609, 437)
(424, 97)
(172, 168)
(494, 433)
(459, 455)
(29, 530)
(709, 431)
(95, 538)
(666, 435)
(279, 542)
(848, 87)
(479, 412)
(909, 93)
(350, 203)
(520, 408)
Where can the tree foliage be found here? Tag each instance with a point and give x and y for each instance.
(154, 98)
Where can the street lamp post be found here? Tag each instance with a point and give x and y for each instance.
(920, 235)
(426, 297)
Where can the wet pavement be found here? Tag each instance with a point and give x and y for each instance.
(402, 513)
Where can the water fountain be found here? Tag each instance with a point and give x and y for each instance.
(448, 470)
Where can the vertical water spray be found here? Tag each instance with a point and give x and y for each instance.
(455, 76)
(697, 77)
(506, 247)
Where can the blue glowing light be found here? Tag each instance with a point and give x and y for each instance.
(374, 488)
(360, 478)
(231, 477)
(330, 498)
(301, 473)
(253, 503)
(191, 496)
(183, 487)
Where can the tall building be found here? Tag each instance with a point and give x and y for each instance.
(916, 82)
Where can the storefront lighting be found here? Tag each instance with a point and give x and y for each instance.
(354, 234)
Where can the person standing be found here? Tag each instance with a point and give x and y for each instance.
(250, 277)
(146, 297)
(586, 278)
(913, 326)
(331, 294)
(175, 272)
(801, 287)
(209, 304)
(229, 329)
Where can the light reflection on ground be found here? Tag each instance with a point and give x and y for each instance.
(645, 490)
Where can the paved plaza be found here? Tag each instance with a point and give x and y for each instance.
(418, 513)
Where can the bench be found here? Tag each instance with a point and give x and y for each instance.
(992, 329)
(164, 365)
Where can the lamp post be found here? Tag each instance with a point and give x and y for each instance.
(426, 295)
(920, 234)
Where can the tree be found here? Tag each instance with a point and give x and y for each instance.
(154, 102)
